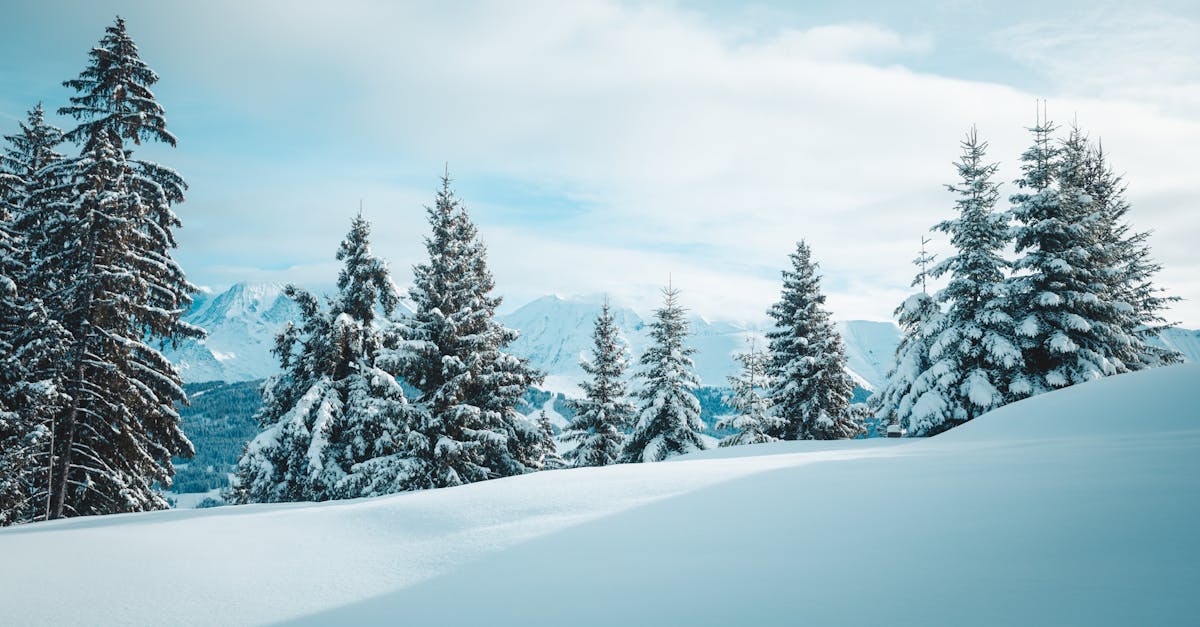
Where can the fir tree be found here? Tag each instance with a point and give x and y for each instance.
(454, 355)
(910, 383)
(25, 168)
(551, 460)
(604, 414)
(31, 342)
(334, 423)
(976, 341)
(752, 423)
(103, 257)
(811, 391)
(669, 414)
(1130, 270)
(1069, 330)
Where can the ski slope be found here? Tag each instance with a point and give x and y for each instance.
(1074, 508)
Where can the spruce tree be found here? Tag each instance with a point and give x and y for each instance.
(976, 340)
(752, 422)
(102, 253)
(454, 355)
(31, 342)
(911, 383)
(1069, 329)
(604, 413)
(551, 460)
(334, 422)
(1129, 268)
(668, 420)
(810, 391)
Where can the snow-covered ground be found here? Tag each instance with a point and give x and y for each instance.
(1078, 507)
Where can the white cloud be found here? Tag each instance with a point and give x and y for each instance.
(701, 153)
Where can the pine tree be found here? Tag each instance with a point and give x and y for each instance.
(551, 460)
(334, 423)
(976, 341)
(1130, 270)
(909, 396)
(1070, 331)
(669, 415)
(603, 414)
(811, 391)
(752, 423)
(31, 343)
(454, 356)
(102, 253)
(25, 168)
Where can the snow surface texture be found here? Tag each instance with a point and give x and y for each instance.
(555, 332)
(1077, 507)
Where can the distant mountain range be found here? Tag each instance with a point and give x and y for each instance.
(555, 333)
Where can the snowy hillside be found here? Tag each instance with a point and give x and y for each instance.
(1075, 507)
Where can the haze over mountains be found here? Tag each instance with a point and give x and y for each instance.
(555, 331)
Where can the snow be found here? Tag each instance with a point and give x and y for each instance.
(1073, 507)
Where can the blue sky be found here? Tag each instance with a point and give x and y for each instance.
(603, 146)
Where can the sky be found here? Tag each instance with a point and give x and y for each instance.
(607, 147)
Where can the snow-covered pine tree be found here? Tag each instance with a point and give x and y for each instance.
(910, 395)
(551, 460)
(31, 344)
(752, 423)
(454, 355)
(103, 252)
(1130, 269)
(976, 341)
(604, 413)
(24, 168)
(334, 422)
(1068, 328)
(810, 389)
(668, 420)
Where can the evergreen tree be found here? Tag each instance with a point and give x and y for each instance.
(910, 381)
(1130, 270)
(31, 343)
(334, 423)
(811, 391)
(1070, 330)
(753, 422)
(669, 415)
(454, 356)
(603, 414)
(551, 460)
(976, 340)
(25, 168)
(102, 253)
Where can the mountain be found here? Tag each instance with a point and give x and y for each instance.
(241, 323)
(1186, 341)
(555, 333)
(1075, 507)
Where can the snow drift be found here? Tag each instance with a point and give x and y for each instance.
(1077, 507)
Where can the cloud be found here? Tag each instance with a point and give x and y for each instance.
(603, 145)
(1115, 51)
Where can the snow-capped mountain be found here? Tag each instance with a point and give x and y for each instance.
(555, 333)
(241, 323)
